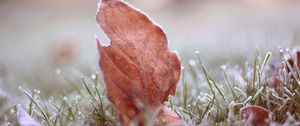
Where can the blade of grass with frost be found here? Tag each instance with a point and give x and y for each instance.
(271, 101)
(229, 85)
(77, 106)
(247, 100)
(46, 108)
(211, 89)
(196, 104)
(219, 90)
(199, 111)
(101, 112)
(254, 76)
(70, 115)
(100, 104)
(96, 80)
(190, 114)
(31, 105)
(288, 65)
(38, 106)
(61, 111)
(96, 109)
(258, 68)
(296, 60)
(219, 107)
(89, 90)
(261, 69)
(257, 93)
(208, 107)
(58, 111)
(266, 60)
(241, 91)
(54, 105)
(209, 80)
(205, 74)
(178, 113)
(185, 96)
(267, 99)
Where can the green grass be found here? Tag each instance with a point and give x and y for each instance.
(202, 98)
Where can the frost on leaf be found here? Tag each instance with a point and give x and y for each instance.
(255, 115)
(139, 70)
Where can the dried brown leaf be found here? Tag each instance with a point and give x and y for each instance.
(139, 70)
(258, 116)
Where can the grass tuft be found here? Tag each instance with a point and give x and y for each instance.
(202, 98)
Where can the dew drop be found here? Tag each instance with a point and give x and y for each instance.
(182, 67)
(12, 111)
(93, 76)
(57, 71)
(223, 67)
(192, 62)
(280, 50)
(65, 98)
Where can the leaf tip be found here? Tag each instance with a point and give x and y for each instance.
(99, 45)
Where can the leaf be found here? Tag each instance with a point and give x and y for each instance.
(24, 119)
(139, 70)
(255, 114)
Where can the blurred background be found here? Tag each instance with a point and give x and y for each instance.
(41, 39)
